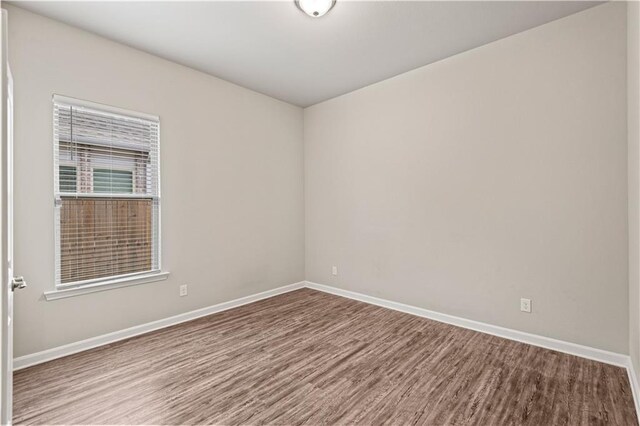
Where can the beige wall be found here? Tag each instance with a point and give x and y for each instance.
(232, 182)
(633, 99)
(460, 187)
(495, 174)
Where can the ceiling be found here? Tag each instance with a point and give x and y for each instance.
(273, 48)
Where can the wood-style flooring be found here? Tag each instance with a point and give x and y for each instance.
(310, 357)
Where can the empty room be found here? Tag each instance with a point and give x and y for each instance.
(321, 212)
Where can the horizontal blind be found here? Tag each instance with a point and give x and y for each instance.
(107, 193)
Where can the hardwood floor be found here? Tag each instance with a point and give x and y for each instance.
(311, 357)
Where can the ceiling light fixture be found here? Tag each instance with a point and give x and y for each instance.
(315, 8)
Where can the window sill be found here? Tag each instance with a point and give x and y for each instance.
(106, 285)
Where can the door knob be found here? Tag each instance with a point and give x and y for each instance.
(18, 283)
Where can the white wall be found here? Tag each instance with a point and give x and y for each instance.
(495, 174)
(232, 182)
(633, 123)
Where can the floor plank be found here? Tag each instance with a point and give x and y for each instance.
(314, 358)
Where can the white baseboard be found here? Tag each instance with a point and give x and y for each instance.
(600, 355)
(83, 345)
(507, 333)
(520, 336)
(635, 388)
(595, 354)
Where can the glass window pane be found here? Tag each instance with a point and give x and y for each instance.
(107, 197)
(102, 238)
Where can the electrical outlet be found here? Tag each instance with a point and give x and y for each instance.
(525, 305)
(334, 270)
(183, 290)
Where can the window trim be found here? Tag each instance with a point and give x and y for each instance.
(78, 288)
(102, 285)
(106, 108)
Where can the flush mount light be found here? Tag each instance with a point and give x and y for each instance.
(315, 8)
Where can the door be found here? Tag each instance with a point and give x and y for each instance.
(8, 282)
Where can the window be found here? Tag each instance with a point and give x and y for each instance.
(107, 193)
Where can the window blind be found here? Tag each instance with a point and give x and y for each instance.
(107, 193)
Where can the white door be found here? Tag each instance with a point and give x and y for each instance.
(9, 283)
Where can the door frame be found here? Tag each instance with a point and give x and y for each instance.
(6, 230)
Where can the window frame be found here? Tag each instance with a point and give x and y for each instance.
(61, 290)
